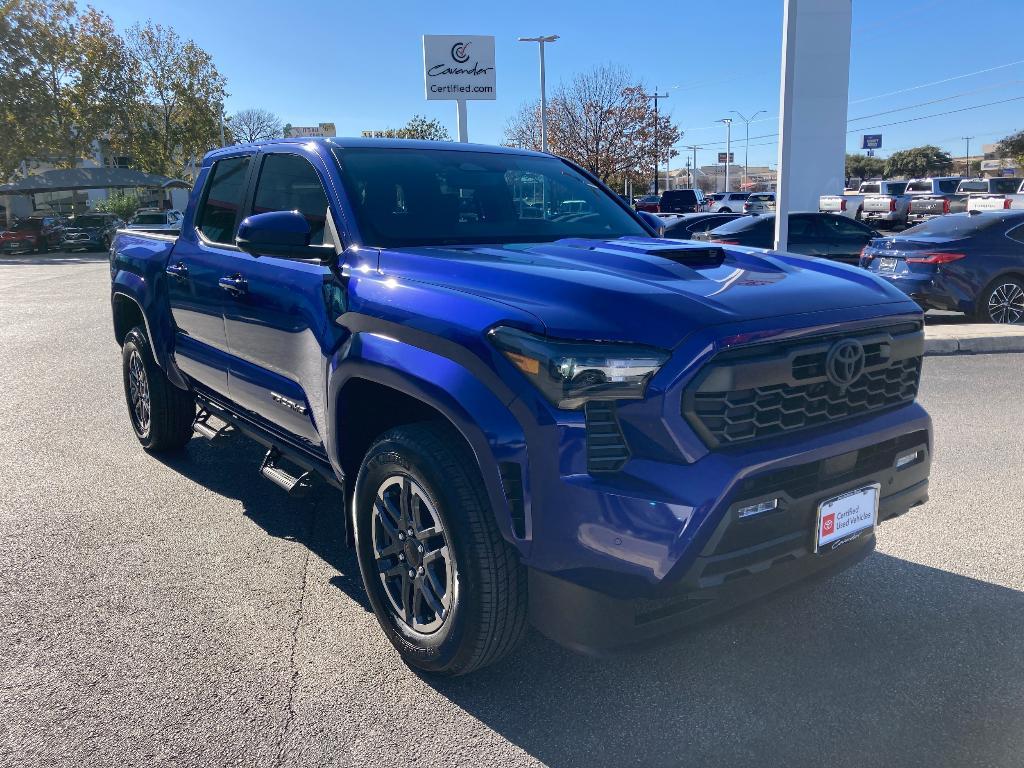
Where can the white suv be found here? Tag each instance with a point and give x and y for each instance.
(728, 202)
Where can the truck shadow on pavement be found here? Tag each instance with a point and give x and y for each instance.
(891, 663)
(230, 468)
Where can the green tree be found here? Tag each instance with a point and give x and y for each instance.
(863, 167)
(418, 127)
(927, 160)
(124, 206)
(1013, 146)
(176, 117)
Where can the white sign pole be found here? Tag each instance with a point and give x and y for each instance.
(460, 113)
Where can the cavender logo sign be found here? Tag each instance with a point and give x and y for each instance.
(459, 67)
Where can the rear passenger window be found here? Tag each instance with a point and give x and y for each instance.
(219, 212)
(290, 183)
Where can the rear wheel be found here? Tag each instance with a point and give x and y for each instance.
(161, 414)
(725, 210)
(1002, 302)
(446, 588)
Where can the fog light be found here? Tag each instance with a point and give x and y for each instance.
(757, 509)
(907, 458)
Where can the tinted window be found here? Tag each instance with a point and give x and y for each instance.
(973, 186)
(948, 185)
(871, 189)
(407, 197)
(842, 227)
(739, 196)
(956, 224)
(896, 187)
(91, 221)
(679, 196)
(27, 224)
(218, 213)
(150, 218)
(919, 186)
(1005, 186)
(802, 227)
(765, 198)
(290, 183)
(745, 224)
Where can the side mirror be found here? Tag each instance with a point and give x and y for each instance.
(279, 233)
(658, 225)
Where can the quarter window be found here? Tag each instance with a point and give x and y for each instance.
(290, 183)
(218, 216)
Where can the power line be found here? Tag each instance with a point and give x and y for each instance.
(939, 101)
(937, 82)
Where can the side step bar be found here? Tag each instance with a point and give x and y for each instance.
(293, 486)
(201, 426)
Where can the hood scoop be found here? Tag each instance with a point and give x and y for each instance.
(696, 256)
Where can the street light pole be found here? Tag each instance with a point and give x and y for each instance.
(728, 147)
(746, 152)
(543, 90)
(656, 96)
(968, 155)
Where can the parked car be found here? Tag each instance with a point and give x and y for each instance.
(965, 262)
(886, 204)
(555, 420)
(648, 203)
(759, 202)
(33, 233)
(91, 232)
(824, 235)
(1004, 193)
(686, 226)
(155, 218)
(682, 201)
(930, 197)
(728, 202)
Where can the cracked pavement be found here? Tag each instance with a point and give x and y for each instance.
(185, 612)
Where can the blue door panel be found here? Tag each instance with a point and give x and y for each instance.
(273, 398)
(201, 362)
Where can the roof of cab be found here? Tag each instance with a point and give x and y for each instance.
(351, 142)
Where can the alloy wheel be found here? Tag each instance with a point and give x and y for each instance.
(412, 555)
(1006, 303)
(138, 391)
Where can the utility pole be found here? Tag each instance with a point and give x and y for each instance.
(694, 148)
(540, 40)
(728, 147)
(746, 152)
(967, 157)
(656, 96)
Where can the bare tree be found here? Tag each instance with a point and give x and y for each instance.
(602, 120)
(250, 125)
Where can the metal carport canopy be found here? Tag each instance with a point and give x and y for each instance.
(87, 178)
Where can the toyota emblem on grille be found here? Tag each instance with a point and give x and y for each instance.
(845, 362)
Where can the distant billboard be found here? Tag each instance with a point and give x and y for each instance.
(323, 130)
(871, 141)
(722, 157)
(459, 67)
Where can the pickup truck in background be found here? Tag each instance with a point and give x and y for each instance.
(851, 202)
(934, 197)
(560, 419)
(1003, 194)
(885, 204)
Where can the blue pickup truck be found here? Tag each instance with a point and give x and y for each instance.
(538, 409)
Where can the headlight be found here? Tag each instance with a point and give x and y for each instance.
(569, 373)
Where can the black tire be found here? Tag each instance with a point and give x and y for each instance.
(486, 614)
(1001, 302)
(166, 424)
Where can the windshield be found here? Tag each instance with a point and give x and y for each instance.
(90, 221)
(27, 224)
(150, 218)
(744, 224)
(957, 224)
(766, 198)
(409, 197)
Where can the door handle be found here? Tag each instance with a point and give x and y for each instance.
(236, 285)
(179, 271)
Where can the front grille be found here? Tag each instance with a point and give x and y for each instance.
(763, 391)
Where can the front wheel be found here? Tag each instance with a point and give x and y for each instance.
(1002, 302)
(161, 414)
(446, 588)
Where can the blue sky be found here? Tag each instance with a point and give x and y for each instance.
(359, 65)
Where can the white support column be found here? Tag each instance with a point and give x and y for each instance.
(460, 112)
(812, 106)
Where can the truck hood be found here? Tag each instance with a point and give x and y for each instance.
(651, 291)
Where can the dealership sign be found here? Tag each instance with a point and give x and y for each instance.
(459, 67)
(722, 157)
(871, 141)
(310, 131)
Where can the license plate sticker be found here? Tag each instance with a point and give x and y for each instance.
(845, 517)
(886, 264)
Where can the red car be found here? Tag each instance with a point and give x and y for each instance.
(649, 203)
(36, 233)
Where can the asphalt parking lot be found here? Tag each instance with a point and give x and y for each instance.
(186, 612)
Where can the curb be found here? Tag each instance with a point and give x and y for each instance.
(973, 340)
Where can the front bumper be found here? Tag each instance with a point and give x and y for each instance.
(890, 218)
(90, 243)
(17, 246)
(740, 561)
